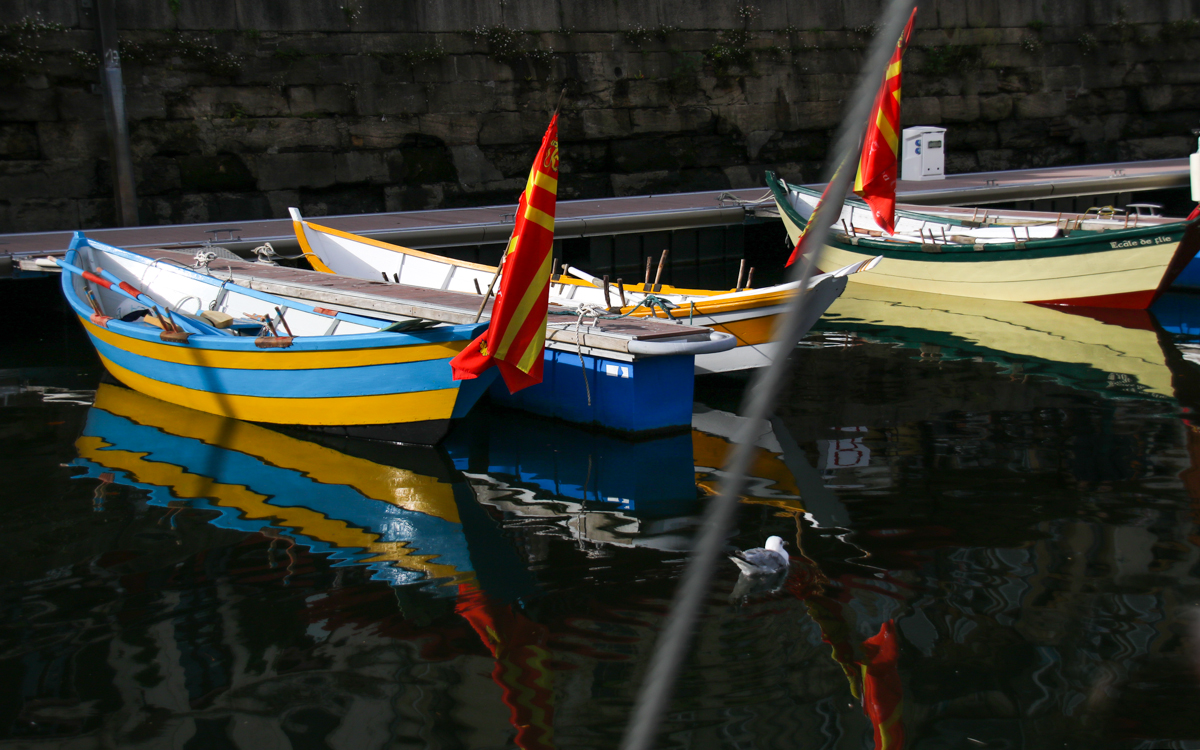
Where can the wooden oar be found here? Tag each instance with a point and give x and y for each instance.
(196, 325)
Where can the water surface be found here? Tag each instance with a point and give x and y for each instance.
(1010, 491)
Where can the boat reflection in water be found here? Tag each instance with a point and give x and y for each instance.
(1114, 352)
(403, 512)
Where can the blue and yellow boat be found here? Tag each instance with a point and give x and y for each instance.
(278, 361)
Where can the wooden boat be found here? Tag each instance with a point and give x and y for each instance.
(334, 371)
(1046, 263)
(747, 314)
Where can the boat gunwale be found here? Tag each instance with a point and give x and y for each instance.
(215, 342)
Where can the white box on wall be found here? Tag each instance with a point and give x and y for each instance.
(923, 153)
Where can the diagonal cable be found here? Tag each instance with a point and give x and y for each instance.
(672, 646)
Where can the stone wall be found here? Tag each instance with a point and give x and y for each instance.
(239, 109)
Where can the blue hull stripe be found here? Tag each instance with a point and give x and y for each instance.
(372, 380)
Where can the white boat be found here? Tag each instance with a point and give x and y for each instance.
(747, 314)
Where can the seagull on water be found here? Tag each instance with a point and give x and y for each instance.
(763, 561)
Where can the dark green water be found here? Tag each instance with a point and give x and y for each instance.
(1017, 493)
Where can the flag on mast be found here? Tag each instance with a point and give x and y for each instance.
(517, 335)
(876, 180)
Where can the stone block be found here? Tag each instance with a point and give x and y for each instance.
(1157, 148)
(1018, 13)
(921, 110)
(475, 67)
(721, 91)
(1040, 105)
(141, 104)
(996, 107)
(751, 117)
(809, 15)
(1155, 98)
(465, 96)
(58, 178)
(439, 71)
(632, 155)
(1064, 77)
(634, 92)
(473, 167)
(19, 141)
(212, 173)
(950, 14)
(360, 166)
(320, 16)
(312, 169)
(605, 123)
(229, 102)
(19, 104)
(41, 215)
(741, 176)
(413, 197)
(1179, 72)
(72, 140)
(818, 115)
(1185, 97)
(995, 159)
(971, 137)
(320, 100)
(1021, 133)
(960, 109)
(456, 130)
(917, 85)
(672, 120)
(205, 16)
(280, 201)
(396, 99)
(156, 176)
(380, 132)
(795, 147)
(958, 162)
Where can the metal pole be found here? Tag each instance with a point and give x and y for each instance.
(114, 114)
(673, 642)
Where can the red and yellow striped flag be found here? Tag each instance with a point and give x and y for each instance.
(517, 335)
(876, 181)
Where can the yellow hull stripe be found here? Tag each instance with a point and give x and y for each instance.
(349, 410)
(276, 359)
(406, 489)
(313, 259)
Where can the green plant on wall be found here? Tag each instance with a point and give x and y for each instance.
(948, 58)
(19, 44)
(207, 57)
(509, 45)
(732, 51)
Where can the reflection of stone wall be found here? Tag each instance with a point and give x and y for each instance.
(241, 109)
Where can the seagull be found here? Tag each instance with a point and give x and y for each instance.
(763, 561)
